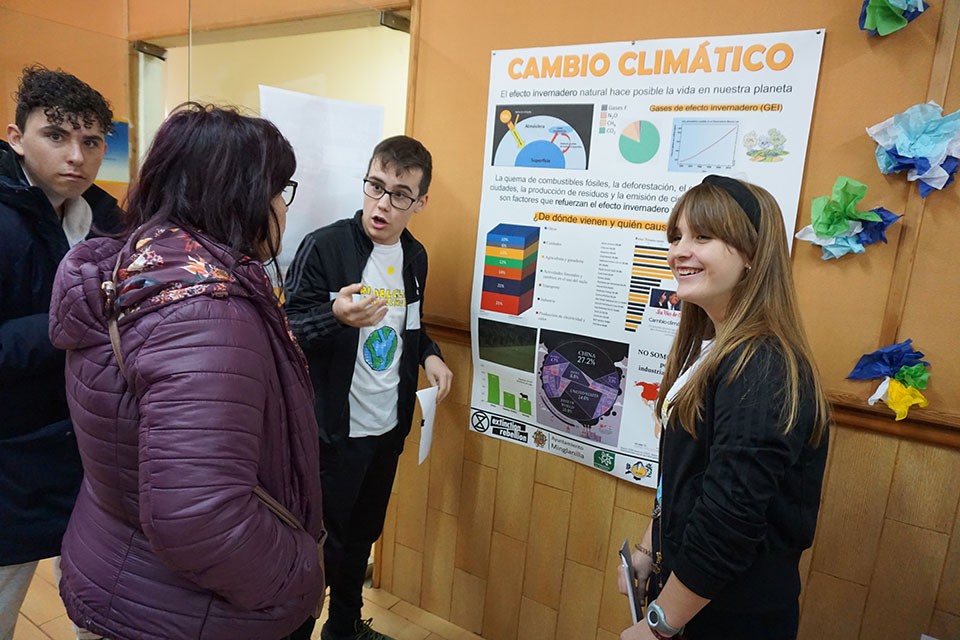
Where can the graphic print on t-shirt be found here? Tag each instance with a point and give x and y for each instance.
(376, 374)
(391, 297)
(380, 348)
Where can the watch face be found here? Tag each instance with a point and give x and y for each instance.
(652, 618)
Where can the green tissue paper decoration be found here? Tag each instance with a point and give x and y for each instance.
(832, 214)
(887, 16)
(915, 376)
(883, 18)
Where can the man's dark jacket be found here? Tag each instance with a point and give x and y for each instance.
(327, 260)
(40, 469)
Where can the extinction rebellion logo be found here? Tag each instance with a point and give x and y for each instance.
(479, 422)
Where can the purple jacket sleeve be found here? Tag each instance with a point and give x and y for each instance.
(203, 390)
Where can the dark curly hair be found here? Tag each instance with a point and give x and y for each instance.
(62, 97)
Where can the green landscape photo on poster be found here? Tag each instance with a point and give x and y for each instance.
(511, 345)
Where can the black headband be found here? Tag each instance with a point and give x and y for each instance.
(739, 192)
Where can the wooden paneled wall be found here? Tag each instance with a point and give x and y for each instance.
(514, 543)
(886, 561)
(850, 306)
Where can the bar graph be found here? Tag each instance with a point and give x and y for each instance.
(507, 399)
(650, 270)
(493, 389)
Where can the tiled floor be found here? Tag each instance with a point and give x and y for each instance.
(42, 616)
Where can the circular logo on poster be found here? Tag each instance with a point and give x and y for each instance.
(380, 348)
(479, 421)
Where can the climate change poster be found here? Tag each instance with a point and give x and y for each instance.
(588, 147)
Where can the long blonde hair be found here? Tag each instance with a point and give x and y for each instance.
(763, 306)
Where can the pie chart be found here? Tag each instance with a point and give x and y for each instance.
(639, 142)
(581, 382)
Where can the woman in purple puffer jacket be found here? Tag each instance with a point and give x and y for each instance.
(168, 538)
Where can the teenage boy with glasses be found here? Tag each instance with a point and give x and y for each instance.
(355, 300)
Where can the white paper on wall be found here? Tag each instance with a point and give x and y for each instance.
(333, 140)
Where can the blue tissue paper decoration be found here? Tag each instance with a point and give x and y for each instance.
(886, 361)
(921, 141)
(875, 231)
(841, 246)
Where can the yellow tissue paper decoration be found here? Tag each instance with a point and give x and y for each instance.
(900, 398)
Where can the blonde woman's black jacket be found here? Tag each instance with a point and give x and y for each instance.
(327, 260)
(740, 501)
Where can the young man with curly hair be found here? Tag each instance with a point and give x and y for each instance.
(47, 204)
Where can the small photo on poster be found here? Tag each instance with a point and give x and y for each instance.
(664, 299)
(580, 385)
(511, 345)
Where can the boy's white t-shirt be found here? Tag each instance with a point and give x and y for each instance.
(376, 374)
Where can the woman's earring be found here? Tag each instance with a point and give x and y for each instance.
(749, 267)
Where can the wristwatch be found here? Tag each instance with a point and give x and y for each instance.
(658, 622)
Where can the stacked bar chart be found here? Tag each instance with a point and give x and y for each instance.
(509, 270)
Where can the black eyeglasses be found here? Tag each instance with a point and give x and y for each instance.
(289, 191)
(399, 200)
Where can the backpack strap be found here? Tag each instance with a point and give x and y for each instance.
(109, 289)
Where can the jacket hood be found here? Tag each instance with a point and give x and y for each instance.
(15, 190)
(9, 165)
(164, 266)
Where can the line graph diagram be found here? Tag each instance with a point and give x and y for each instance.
(700, 145)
